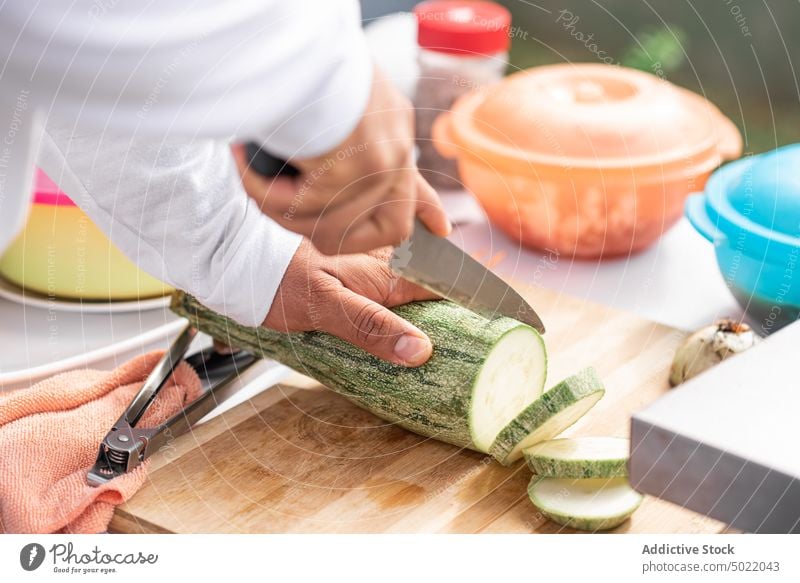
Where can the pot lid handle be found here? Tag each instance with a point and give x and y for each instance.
(730, 140)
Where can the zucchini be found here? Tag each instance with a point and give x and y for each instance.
(587, 504)
(580, 457)
(549, 415)
(481, 374)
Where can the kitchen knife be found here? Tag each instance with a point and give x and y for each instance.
(445, 269)
(436, 263)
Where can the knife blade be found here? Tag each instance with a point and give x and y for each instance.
(445, 269)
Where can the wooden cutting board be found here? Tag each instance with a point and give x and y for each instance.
(299, 458)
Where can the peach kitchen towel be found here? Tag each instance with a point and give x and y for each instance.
(49, 437)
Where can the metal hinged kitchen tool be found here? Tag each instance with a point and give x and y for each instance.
(126, 446)
(435, 263)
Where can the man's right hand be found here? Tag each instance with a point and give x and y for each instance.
(362, 195)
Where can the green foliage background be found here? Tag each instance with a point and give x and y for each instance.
(743, 55)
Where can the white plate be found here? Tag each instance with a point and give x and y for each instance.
(16, 294)
(38, 345)
(103, 357)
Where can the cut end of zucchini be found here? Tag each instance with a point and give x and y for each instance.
(552, 413)
(588, 504)
(580, 457)
(512, 377)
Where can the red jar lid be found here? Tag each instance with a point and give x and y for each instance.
(463, 27)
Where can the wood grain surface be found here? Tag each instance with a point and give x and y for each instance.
(299, 458)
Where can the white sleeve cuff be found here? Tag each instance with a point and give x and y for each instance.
(253, 266)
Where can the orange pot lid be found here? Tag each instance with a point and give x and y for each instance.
(592, 116)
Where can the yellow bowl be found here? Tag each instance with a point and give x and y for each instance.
(62, 253)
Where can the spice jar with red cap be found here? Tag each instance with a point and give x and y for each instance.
(463, 46)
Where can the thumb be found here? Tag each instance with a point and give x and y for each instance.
(378, 330)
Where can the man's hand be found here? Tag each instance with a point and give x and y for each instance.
(348, 297)
(364, 194)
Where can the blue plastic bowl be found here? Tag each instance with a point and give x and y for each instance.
(750, 211)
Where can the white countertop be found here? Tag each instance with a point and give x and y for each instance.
(675, 282)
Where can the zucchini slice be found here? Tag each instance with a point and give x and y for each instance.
(580, 457)
(549, 415)
(588, 504)
(512, 376)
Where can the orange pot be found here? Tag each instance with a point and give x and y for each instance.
(586, 159)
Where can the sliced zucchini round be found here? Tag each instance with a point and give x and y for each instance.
(586, 504)
(580, 457)
(511, 378)
(549, 415)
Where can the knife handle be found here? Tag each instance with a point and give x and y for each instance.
(266, 164)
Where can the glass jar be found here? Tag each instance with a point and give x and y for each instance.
(463, 45)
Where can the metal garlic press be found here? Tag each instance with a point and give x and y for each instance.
(126, 446)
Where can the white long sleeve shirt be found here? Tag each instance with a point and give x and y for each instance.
(131, 107)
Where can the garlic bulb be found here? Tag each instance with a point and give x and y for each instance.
(709, 346)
